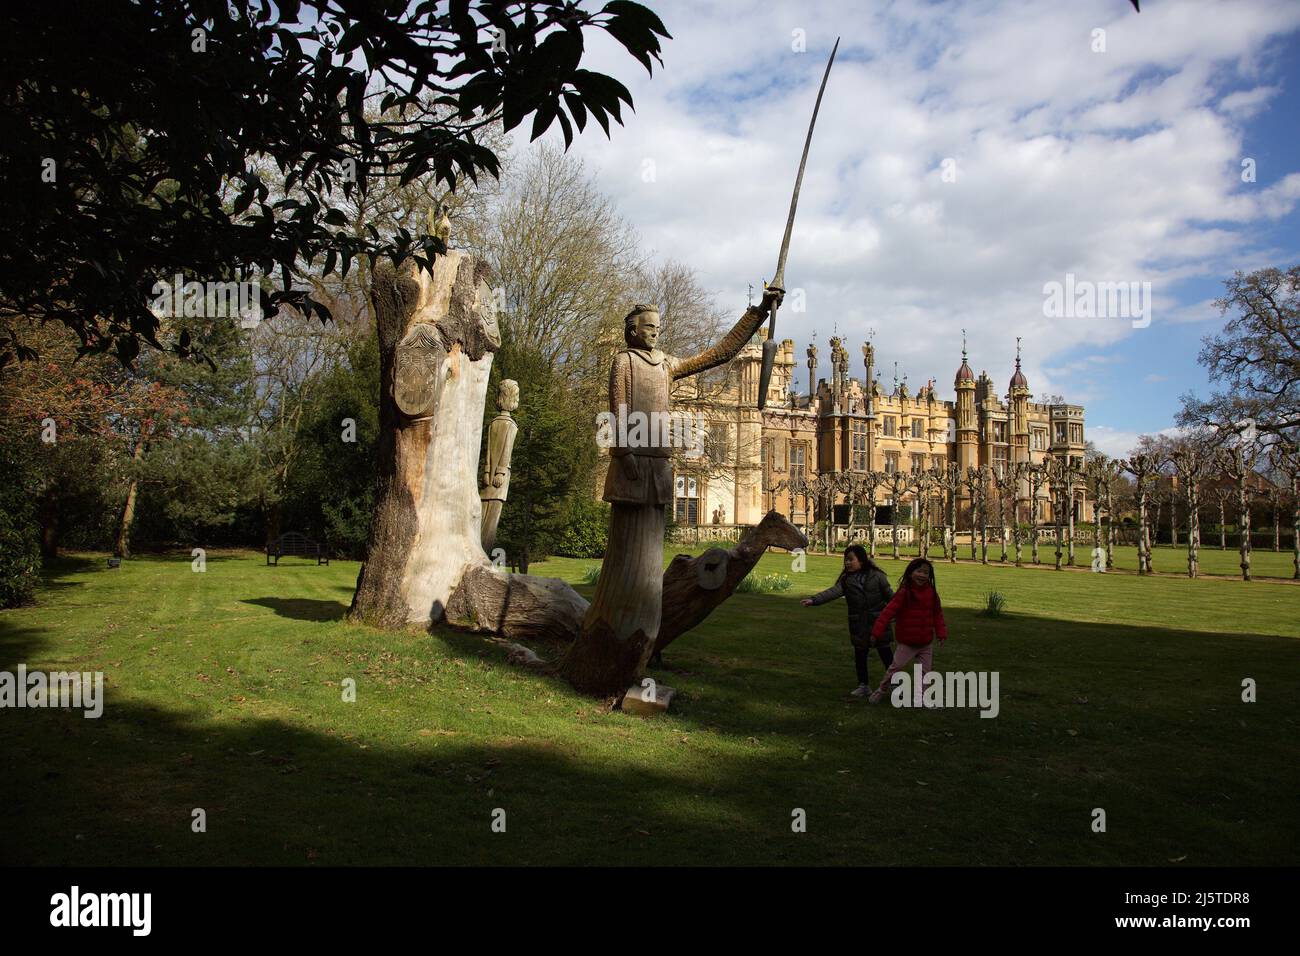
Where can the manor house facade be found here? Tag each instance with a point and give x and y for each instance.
(840, 425)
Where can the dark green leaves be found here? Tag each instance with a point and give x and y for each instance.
(159, 149)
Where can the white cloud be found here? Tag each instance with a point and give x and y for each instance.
(1123, 165)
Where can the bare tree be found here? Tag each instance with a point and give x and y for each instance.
(1036, 475)
(1257, 356)
(1005, 484)
(1192, 460)
(568, 267)
(1222, 494)
(897, 483)
(1237, 459)
(1144, 468)
(1285, 460)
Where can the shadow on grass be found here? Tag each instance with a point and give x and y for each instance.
(302, 609)
(1154, 744)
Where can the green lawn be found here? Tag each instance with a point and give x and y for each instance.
(224, 692)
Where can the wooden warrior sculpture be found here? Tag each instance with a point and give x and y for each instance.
(620, 627)
(494, 480)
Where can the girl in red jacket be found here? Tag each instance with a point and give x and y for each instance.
(918, 618)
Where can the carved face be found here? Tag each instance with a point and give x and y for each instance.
(643, 330)
(508, 395)
(418, 358)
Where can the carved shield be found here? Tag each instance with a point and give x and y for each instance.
(418, 358)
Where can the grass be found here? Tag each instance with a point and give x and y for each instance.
(224, 692)
(995, 602)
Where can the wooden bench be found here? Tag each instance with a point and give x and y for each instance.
(296, 544)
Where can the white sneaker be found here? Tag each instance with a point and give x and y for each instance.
(862, 691)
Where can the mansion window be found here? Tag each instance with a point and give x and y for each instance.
(891, 462)
(687, 502)
(1076, 434)
(939, 462)
(1060, 433)
(1000, 460)
(891, 426)
(797, 459)
(918, 464)
(1039, 439)
(859, 446)
(999, 431)
(718, 446)
(918, 427)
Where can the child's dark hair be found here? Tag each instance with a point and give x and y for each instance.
(859, 552)
(905, 583)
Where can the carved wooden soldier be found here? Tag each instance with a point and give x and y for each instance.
(494, 478)
(619, 630)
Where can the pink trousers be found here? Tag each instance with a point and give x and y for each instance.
(904, 654)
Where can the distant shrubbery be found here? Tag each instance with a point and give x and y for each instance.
(20, 548)
(585, 533)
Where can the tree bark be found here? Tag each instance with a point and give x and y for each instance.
(521, 607)
(437, 333)
(49, 514)
(122, 548)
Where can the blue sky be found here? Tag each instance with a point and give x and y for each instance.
(1119, 163)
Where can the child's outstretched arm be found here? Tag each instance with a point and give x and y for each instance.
(830, 594)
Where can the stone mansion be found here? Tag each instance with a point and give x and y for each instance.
(843, 425)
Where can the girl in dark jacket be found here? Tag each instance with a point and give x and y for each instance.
(865, 589)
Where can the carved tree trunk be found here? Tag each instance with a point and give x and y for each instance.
(694, 586)
(437, 333)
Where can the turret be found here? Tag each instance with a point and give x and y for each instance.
(1018, 396)
(967, 428)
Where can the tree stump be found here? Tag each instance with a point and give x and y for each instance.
(437, 333)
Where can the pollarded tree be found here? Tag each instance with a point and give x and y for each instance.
(1058, 470)
(897, 484)
(950, 482)
(1274, 498)
(1144, 468)
(1036, 477)
(1006, 485)
(1285, 460)
(1237, 459)
(1222, 494)
(1192, 461)
(1102, 472)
